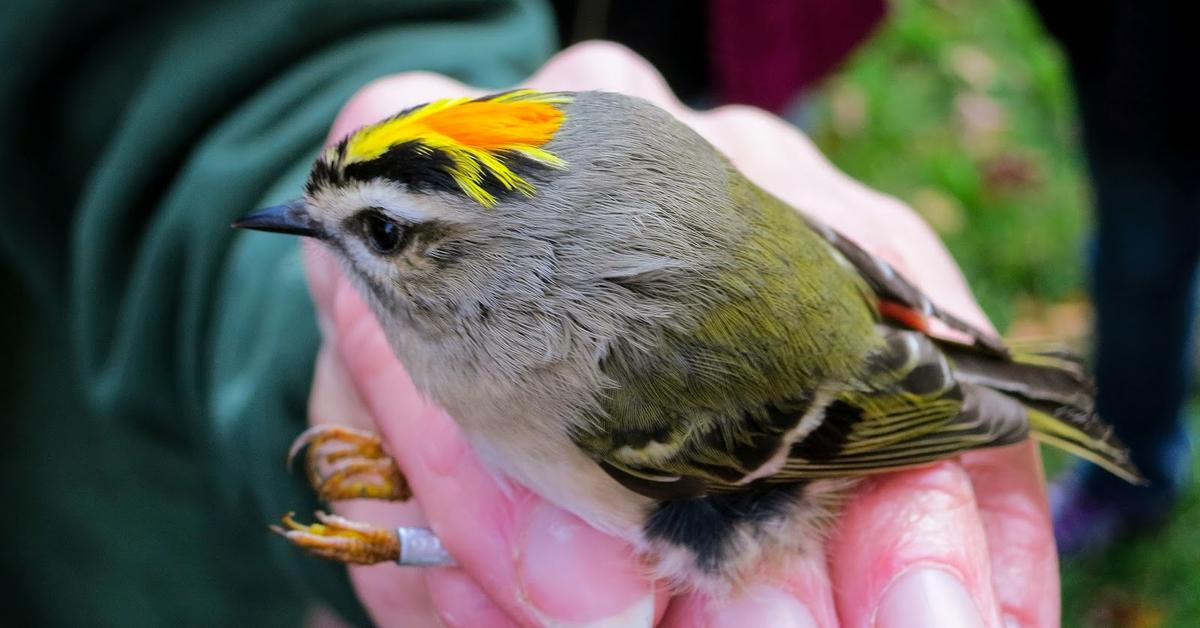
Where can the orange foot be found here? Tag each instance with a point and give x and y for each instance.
(345, 463)
(340, 539)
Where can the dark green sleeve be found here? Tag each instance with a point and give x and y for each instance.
(160, 362)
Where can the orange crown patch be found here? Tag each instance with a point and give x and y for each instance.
(475, 134)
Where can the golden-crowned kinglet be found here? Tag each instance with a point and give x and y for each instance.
(624, 323)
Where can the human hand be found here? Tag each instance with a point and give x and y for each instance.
(964, 542)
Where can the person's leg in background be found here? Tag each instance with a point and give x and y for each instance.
(1141, 139)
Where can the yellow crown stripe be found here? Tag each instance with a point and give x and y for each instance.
(372, 141)
(472, 133)
(541, 156)
(527, 95)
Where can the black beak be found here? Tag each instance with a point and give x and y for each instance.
(290, 218)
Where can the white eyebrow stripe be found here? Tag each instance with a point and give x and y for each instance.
(389, 197)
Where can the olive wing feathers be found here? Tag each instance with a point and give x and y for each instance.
(907, 409)
(912, 400)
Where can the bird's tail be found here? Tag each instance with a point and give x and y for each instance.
(1060, 397)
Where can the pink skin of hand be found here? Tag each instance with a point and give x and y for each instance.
(961, 543)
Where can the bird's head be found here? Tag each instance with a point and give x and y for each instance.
(506, 222)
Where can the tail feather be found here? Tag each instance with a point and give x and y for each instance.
(1033, 376)
(1060, 397)
(1048, 349)
(1089, 438)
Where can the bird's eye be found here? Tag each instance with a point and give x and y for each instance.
(384, 236)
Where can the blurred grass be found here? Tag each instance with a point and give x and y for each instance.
(1147, 582)
(963, 109)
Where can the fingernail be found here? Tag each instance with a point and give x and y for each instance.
(927, 596)
(573, 575)
(763, 606)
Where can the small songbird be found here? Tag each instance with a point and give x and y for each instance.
(621, 321)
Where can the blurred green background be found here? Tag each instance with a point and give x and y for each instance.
(963, 109)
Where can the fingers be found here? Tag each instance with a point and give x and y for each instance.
(390, 95)
(560, 552)
(387, 591)
(760, 605)
(530, 558)
(587, 66)
(605, 66)
(391, 595)
(1011, 497)
(910, 550)
(800, 598)
(461, 603)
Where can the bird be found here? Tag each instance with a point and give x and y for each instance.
(621, 321)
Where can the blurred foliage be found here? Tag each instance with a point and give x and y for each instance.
(963, 109)
(1147, 582)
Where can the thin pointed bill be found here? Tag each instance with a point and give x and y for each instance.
(290, 218)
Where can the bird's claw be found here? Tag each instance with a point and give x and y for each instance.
(345, 463)
(340, 539)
